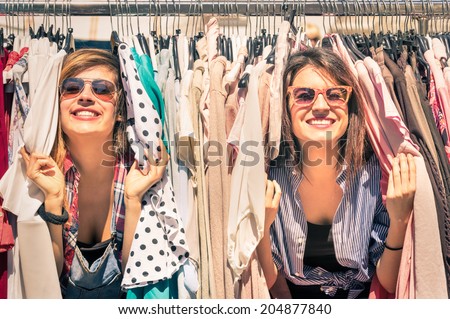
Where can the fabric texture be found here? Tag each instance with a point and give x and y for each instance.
(247, 211)
(36, 277)
(159, 247)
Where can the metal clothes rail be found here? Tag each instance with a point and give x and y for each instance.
(423, 8)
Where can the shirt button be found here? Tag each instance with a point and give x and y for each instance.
(1, 213)
(320, 272)
(297, 274)
(300, 240)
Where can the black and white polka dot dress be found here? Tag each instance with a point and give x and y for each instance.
(159, 246)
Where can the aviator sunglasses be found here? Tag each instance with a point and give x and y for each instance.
(336, 96)
(102, 89)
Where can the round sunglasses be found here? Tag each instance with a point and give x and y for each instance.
(102, 89)
(336, 96)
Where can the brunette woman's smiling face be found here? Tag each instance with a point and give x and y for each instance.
(318, 122)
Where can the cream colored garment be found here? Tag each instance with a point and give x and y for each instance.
(23, 198)
(247, 211)
(205, 267)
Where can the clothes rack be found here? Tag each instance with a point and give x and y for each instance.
(417, 9)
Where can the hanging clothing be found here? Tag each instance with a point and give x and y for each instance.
(20, 110)
(441, 105)
(389, 135)
(6, 236)
(276, 89)
(379, 56)
(159, 223)
(231, 81)
(247, 210)
(205, 269)
(39, 134)
(218, 176)
(147, 76)
(23, 198)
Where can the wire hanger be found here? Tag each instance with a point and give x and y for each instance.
(69, 41)
(114, 39)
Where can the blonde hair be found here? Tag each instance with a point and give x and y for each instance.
(76, 63)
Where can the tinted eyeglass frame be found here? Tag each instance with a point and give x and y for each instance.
(94, 84)
(323, 91)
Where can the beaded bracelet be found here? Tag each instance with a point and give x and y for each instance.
(52, 218)
(390, 248)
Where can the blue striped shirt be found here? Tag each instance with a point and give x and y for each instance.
(359, 229)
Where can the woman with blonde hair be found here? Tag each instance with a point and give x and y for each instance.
(92, 192)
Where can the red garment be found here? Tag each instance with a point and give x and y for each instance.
(3, 276)
(5, 228)
(12, 59)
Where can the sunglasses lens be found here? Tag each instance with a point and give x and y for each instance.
(303, 96)
(337, 95)
(72, 87)
(103, 89)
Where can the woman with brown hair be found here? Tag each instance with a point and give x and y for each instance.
(327, 230)
(88, 183)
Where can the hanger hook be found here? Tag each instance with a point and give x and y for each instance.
(167, 17)
(137, 16)
(175, 17)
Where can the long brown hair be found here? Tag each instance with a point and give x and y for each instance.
(353, 145)
(76, 63)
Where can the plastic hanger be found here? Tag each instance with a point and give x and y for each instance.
(31, 32)
(223, 46)
(56, 37)
(175, 58)
(353, 51)
(115, 42)
(68, 47)
(191, 54)
(50, 34)
(243, 82)
(40, 33)
(271, 56)
(230, 49)
(422, 63)
(143, 44)
(258, 47)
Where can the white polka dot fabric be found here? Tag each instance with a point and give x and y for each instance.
(159, 246)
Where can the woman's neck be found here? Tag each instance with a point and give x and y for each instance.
(321, 164)
(92, 158)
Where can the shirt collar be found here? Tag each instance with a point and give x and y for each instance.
(68, 163)
(297, 177)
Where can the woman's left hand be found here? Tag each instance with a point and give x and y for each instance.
(401, 188)
(137, 182)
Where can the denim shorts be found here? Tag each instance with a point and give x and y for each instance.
(101, 280)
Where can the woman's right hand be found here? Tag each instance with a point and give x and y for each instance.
(273, 196)
(45, 173)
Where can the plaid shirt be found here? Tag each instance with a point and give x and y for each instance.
(70, 231)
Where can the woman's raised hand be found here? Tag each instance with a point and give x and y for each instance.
(401, 187)
(273, 196)
(138, 182)
(45, 173)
